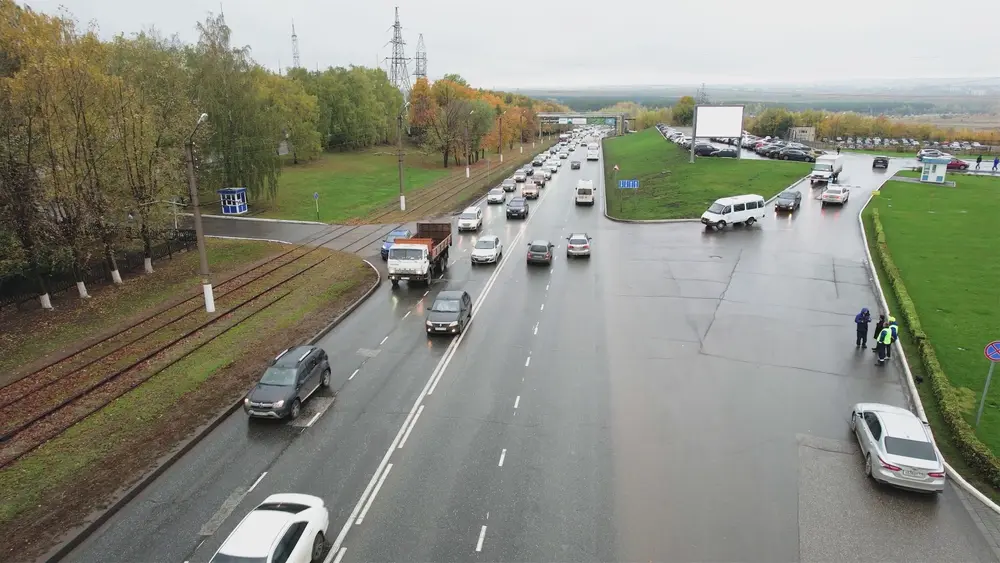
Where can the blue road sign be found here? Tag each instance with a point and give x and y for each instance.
(628, 184)
(315, 195)
(992, 351)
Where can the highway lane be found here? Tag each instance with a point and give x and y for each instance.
(190, 509)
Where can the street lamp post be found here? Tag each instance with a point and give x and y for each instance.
(468, 147)
(520, 131)
(399, 154)
(206, 282)
(500, 137)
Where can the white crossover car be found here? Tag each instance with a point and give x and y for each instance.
(488, 250)
(471, 219)
(898, 447)
(578, 244)
(285, 527)
(496, 195)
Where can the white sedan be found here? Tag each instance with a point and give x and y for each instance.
(563, 155)
(899, 449)
(578, 244)
(488, 250)
(290, 527)
(496, 195)
(836, 194)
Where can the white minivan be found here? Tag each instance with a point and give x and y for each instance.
(584, 194)
(745, 209)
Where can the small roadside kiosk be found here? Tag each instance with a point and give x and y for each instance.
(934, 169)
(234, 201)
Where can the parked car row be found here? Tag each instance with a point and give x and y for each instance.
(780, 149)
(872, 142)
(701, 146)
(954, 164)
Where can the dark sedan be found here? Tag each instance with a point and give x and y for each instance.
(788, 200)
(880, 162)
(575, 165)
(293, 376)
(724, 153)
(450, 313)
(795, 154)
(387, 242)
(704, 149)
(517, 207)
(540, 252)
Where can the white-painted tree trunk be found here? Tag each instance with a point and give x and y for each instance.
(116, 277)
(46, 301)
(82, 289)
(148, 264)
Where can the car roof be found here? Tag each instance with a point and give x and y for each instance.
(903, 425)
(517, 200)
(450, 295)
(290, 357)
(578, 235)
(539, 241)
(471, 209)
(738, 199)
(255, 535)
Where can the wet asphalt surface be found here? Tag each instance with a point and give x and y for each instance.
(682, 395)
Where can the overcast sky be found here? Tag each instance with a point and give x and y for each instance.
(553, 44)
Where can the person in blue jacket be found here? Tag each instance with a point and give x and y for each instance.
(861, 320)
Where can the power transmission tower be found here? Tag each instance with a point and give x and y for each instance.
(398, 74)
(296, 62)
(421, 58)
(702, 97)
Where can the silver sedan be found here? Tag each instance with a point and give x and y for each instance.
(898, 447)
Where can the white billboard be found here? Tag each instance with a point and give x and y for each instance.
(579, 121)
(718, 121)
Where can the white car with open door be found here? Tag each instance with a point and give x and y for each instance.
(898, 448)
(286, 527)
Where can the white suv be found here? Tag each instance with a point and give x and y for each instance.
(471, 219)
(285, 527)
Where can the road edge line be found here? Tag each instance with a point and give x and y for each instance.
(84, 531)
(258, 219)
(911, 386)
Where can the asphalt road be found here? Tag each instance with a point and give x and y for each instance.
(682, 395)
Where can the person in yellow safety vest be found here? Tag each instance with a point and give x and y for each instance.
(894, 328)
(882, 344)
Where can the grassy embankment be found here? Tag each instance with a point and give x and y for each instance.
(939, 241)
(672, 188)
(53, 488)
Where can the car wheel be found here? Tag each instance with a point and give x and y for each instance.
(750, 221)
(868, 466)
(319, 546)
(296, 409)
(721, 225)
(326, 377)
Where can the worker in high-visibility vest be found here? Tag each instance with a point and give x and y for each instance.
(894, 330)
(882, 344)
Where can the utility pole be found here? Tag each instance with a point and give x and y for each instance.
(468, 145)
(399, 154)
(500, 136)
(206, 282)
(520, 131)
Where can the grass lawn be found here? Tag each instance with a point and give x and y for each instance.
(54, 487)
(349, 184)
(672, 188)
(941, 241)
(28, 336)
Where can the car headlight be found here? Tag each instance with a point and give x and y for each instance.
(453, 323)
(279, 404)
(428, 323)
(246, 400)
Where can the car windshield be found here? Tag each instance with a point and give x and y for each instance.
(910, 448)
(584, 191)
(278, 376)
(516, 203)
(539, 248)
(787, 195)
(716, 208)
(823, 167)
(393, 236)
(486, 244)
(508, 182)
(496, 191)
(469, 216)
(445, 306)
(576, 241)
(405, 254)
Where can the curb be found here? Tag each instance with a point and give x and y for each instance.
(78, 536)
(225, 237)
(668, 221)
(911, 386)
(258, 219)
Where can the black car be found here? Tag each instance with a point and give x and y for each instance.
(724, 153)
(517, 207)
(528, 171)
(880, 162)
(575, 165)
(704, 149)
(788, 200)
(795, 154)
(450, 313)
(293, 376)
(540, 252)
(538, 161)
(540, 181)
(508, 185)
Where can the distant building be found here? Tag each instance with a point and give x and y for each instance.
(802, 134)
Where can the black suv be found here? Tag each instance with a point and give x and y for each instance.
(880, 162)
(517, 207)
(538, 161)
(450, 313)
(293, 376)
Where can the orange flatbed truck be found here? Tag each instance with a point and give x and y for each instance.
(422, 256)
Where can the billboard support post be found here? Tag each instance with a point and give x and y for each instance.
(694, 132)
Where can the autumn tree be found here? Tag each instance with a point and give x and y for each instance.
(683, 111)
(294, 114)
(423, 107)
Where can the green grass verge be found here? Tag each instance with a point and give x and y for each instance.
(29, 336)
(942, 265)
(672, 188)
(136, 424)
(349, 184)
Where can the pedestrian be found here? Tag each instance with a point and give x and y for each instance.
(838, 150)
(861, 320)
(979, 160)
(996, 162)
(882, 345)
(894, 332)
(878, 330)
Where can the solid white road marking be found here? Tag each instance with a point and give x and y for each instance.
(426, 292)
(353, 374)
(383, 340)
(340, 555)
(517, 401)
(374, 494)
(527, 362)
(543, 307)
(410, 429)
(503, 454)
(407, 314)
(257, 482)
(313, 419)
(482, 535)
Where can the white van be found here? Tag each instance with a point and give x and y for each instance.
(593, 146)
(584, 194)
(471, 219)
(593, 154)
(746, 209)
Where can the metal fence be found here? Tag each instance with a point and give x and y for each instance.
(16, 290)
